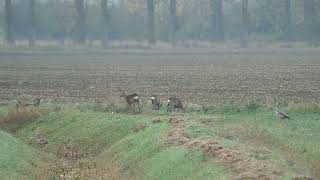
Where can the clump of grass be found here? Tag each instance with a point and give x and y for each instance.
(82, 169)
(252, 106)
(280, 103)
(230, 109)
(57, 108)
(17, 158)
(194, 108)
(304, 108)
(15, 118)
(100, 107)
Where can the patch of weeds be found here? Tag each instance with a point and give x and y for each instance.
(100, 107)
(228, 143)
(260, 156)
(194, 108)
(230, 109)
(281, 104)
(252, 106)
(304, 108)
(15, 118)
(82, 169)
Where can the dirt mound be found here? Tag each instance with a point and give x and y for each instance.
(155, 121)
(207, 122)
(243, 166)
(177, 134)
(139, 128)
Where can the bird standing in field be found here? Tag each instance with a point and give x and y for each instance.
(281, 115)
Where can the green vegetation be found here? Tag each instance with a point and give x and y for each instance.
(111, 138)
(293, 143)
(16, 158)
(136, 147)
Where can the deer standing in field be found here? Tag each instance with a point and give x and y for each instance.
(133, 100)
(35, 102)
(175, 103)
(156, 103)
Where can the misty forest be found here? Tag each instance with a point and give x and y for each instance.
(170, 21)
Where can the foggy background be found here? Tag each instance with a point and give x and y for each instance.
(187, 23)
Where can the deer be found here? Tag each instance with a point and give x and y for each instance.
(175, 103)
(35, 102)
(156, 103)
(132, 100)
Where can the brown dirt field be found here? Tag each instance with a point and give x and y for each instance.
(204, 78)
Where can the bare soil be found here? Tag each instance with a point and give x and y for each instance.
(203, 78)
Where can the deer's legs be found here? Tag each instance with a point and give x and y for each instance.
(139, 107)
(169, 108)
(129, 107)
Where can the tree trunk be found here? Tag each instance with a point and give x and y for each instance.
(289, 31)
(80, 22)
(173, 21)
(217, 20)
(105, 21)
(9, 27)
(151, 25)
(32, 19)
(245, 23)
(309, 19)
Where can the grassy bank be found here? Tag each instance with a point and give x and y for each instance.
(86, 142)
(17, 159)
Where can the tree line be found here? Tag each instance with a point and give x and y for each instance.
(165, 20)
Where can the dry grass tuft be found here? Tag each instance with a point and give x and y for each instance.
(82, 169)
(155, 121)
(74, 163)
(17, 117)
(139, 128)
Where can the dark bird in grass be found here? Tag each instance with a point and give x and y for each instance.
(41, 141)
(281, 115)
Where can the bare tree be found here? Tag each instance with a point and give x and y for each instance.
(245, 23)
(9, 27)
(105, 21)
(173, 23)
(80, 29)
(151, 24)
(289, 31)
(32, 22)
(309, 19)
(217, 20)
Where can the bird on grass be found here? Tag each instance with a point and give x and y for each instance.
(41, 141)
(281, 114)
